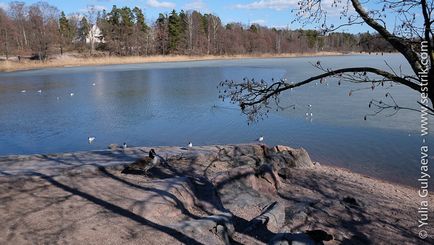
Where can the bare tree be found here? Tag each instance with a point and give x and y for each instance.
(18, 12)
(91, 15)
(408, 37)
(5, 29)
(188, 21)
(31, 30)
(43, 19)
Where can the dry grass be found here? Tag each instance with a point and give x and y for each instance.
(68, 61)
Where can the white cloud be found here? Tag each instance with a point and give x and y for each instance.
(259, 22)
(268, 4)
(198, 5)
(279, 5)
(99, 7)
(160, 4)
(93, 8)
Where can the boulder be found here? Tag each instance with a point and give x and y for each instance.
(272, 217)
(205, 228)
(285, 156)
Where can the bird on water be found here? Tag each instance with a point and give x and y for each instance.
(90, 139)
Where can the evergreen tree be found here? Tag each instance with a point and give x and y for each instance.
(65, 31)
(141, 32)
(174, 31)
(253, 28)
(127, 18)
(140, 20)
(161, 34)
(84, 30)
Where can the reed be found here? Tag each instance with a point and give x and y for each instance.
(69, 61)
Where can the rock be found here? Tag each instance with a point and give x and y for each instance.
(272, 218)
(267, 172)
(284, 173)
(290, 157)
(260, 180)
(296, 216)
(220, 225)
(248, 160)
(281, 148)
(240, 155)
(351, 201)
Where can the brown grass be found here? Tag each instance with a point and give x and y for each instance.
(68, 61)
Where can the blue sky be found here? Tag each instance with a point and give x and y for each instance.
(272, 13)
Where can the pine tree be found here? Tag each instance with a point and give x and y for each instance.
(161, 34)
(141, 32)
(140, 20)
(84, 30)
(174, 31)
(65, 30)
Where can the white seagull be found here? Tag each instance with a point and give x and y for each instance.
(124, 146)
(190, 145)
(261, 139)
(90, 139)
(93, 84)
(39, 91)
(72, 94)
(23, 91)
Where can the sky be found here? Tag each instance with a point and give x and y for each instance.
(271, 13)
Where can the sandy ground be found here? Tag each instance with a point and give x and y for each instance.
(203, 195)
(71, 61)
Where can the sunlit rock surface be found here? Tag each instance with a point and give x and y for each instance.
(228, 194)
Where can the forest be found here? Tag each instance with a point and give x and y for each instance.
(40, 31)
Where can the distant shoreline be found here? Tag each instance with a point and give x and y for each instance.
(70, 61)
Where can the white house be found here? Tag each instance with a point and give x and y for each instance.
(95, 35)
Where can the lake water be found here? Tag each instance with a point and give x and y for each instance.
(174, 103)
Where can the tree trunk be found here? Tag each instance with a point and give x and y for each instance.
(6, 45)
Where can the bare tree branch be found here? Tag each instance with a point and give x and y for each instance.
(398, 43)
(258, 95)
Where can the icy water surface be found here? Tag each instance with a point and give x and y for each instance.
(174, 103)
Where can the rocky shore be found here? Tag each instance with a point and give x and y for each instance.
(228, 194)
